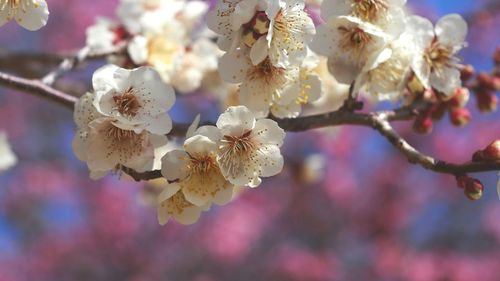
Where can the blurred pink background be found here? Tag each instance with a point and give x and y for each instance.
(373, 216)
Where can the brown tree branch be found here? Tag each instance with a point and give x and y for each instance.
(380, 121)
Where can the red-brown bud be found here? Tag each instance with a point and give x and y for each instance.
(467, 72)
(492, 151)
(486, 101)
(460, 117)
(423, 124)
(460, 98)
(486, 81)
(473, 189)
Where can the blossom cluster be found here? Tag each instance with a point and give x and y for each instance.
(166, 35)
(267, 54)
(123, 124)
(378, 47)
(260, 58)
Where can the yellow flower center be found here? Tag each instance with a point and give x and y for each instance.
(127, 103)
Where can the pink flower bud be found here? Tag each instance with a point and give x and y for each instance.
(486, 81)
(460, 117)
(467, 72)
(473, 189)
(492, 151)
(486, 101)
(460, 98)
(423, 124)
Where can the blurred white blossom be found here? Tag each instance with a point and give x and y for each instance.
(7, 157)
(30, 14)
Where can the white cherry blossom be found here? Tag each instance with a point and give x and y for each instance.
(309, 90)
(348, 42)
(278, 30)
(196, 169)
(333, 93)
(173, 204)
(30, 14)
(106, 147)
(7, 157)
(249, 148)
(386, 14)
(435, 63)
(102, 36)
(385, 75)
(135, 99)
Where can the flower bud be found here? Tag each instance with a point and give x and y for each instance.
(438, 111)
(496, 84)
(423, 124)
(473, 189)
(460, 117)
(492, 151)
(460, 98)
(486, 101)
(486, 81)
(467, 72)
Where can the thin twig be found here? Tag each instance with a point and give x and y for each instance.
(37, 88)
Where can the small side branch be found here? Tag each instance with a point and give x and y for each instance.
(37, 88)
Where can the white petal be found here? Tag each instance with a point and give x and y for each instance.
(421, 30)
(103, 80)
(233, 66)
(188, 215)
(236, 120)
(333, 8)
(256, 95)
(160, 124)
(270, 160)
(447, 81)
(148, 81)
(173, 164)
(80, 145)
(267, 131)
(259, 50)
(343, 69)
(243, 13)
(192, 128)
(35, 16)
(324, 40)
(224, 196)
(199, 144)
(138, 49)
(451, 30)
(211, 132)
(163, 215)
(168, 192)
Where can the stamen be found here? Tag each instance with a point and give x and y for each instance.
(369, 10)
(127, 103)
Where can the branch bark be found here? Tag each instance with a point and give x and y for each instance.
(380, 121)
